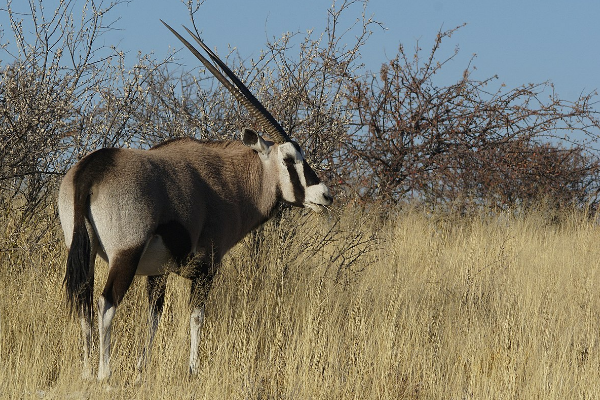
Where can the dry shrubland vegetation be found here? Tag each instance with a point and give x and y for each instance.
(415, 306)
(469, 290)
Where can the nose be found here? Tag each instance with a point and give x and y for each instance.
(328, 198)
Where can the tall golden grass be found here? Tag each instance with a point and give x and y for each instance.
(345, 306)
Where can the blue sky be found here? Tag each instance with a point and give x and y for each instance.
(521, 41)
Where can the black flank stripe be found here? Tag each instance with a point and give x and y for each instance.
(177, 239)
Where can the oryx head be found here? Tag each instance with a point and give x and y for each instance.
(298, 183)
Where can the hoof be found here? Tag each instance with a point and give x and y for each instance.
(87, 375)
(193, 372)
(103, 375)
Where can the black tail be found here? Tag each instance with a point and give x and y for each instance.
(79, 278)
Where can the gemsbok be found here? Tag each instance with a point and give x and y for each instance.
(184, 202)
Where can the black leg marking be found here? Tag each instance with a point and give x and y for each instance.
(310, 177)
(155, 288)
(199, 290)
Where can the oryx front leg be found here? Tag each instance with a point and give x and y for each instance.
(199, 294)
(156, 286)
(196, 321)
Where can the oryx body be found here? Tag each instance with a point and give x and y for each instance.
(183, 202)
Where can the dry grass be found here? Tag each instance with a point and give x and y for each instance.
(420, 307)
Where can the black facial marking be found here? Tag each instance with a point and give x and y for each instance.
(296, 184)
(289, 161)
(310, 176)
(177, 239)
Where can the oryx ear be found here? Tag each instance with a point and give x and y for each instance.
(255, 142)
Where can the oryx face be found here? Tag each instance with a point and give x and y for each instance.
(298, 183)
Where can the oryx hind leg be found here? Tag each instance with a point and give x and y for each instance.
(156, 285)
(86, 330)
(121, 271)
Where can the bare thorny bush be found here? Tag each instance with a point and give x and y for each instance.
(41, 102)
(379, 138)
(58, 99)
(463, 145)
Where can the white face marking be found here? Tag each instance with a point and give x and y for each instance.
(317, 196)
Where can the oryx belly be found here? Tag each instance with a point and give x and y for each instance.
(156, 259)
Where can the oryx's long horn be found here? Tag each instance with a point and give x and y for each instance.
(240, 91)
(269, 123)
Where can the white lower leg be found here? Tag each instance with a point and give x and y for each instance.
(86, 329)
(106, 312)
(196, 320)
